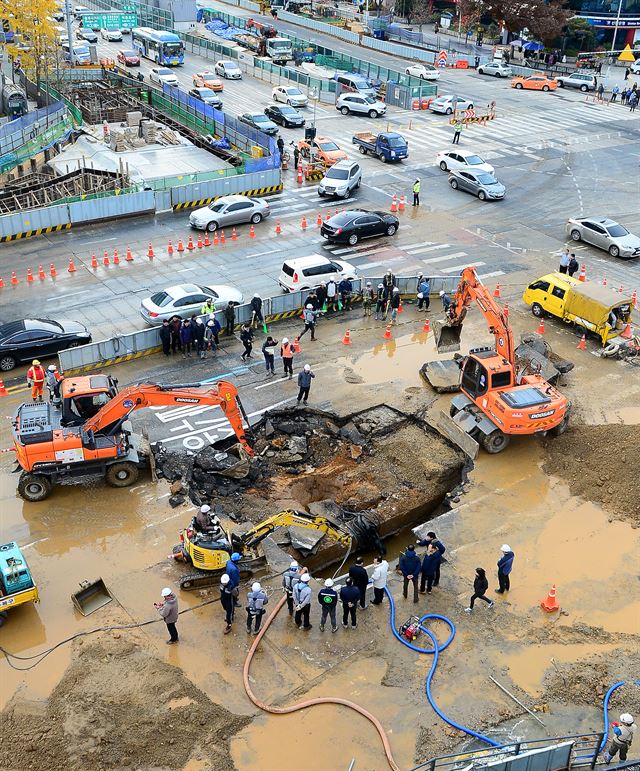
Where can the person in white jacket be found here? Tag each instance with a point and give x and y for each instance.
(379, 578)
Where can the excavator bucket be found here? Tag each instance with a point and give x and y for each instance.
(447, 337)
(231, 460)
(91, 596)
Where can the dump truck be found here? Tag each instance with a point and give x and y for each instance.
(388, 146)
(16, 582)
(277, 48)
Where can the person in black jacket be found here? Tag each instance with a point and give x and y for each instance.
(165, 337)
(176, 343)
(410, 566)
(226, 600)
(321, 296)
(256, 310)
(246, 336)
(432, 538)
(360, 578)
(230, 318)
(430, 562)
(349, 596)
(328, 600)
(480, 586)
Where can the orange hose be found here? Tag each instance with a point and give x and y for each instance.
(310, 702)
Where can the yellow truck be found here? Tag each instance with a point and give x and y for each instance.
(593, 307)
(16, 582)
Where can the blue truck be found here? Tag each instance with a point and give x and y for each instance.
(388, 146)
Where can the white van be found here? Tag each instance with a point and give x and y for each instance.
(308, 272)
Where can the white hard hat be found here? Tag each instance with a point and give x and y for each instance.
(198, 321)
(309, 307)
(255, 586)
(224, 579)
(293, 564)
(205, 508)
(368, 283)
(328, 582)
(305, 577)
(52, 368)
(626, 718)
(212, 316)
(285, 340)
(441, 292)
(256, 295)
(307, 368)
(505, 547)
(388, 270)
(166, 592)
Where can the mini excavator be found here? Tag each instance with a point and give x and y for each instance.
(90, 434)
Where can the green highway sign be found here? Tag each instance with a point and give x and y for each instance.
(109, 20)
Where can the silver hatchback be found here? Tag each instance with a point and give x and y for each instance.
(479, 183)
(229, 210)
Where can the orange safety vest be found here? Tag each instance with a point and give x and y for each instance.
(36, 374)
(287, 351)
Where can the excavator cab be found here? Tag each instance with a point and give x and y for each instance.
(447, 336)
(83, 397)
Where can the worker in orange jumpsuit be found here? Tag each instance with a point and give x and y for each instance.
(35, 378)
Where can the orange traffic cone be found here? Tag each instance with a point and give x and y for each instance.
(394, 203)
(506, 310)
(234, 236)
(105, 259)
(319, 220)
(427, 326)
(346, 340)
(222, 236)
(583, 343)
(303, 224)
(30, 278)
(94, 261)
(387, 333)
(1, 283)
(170, 248)
(604, 281)
(72, 267)
(150, 252)
(180, 246)
(216, 240)
(278, 228)
(337, 212)
(496, 291)
(252, 232)
(3, 390)
(626, 334)
(52, 271)
(328, 215)
(583, 273)
(199, 241)
(634, 297)
(41, 274)
(621, 290)
(129, 257)
(400, 308)
(14, 279)
(401, 204)
(540, 329)
(299, 174)
(190, 245)
(296, 345)
(206, 239)
(116, 259)
(550, 603)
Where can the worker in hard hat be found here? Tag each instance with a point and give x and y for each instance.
(35, 380)
(53, 378)
(232, 570)
(207, 523)
(226, 600)
(256, 600)
(622, 733)
(289, 578)
(505, 566)
(168, 609)
(302, 601)
(328, 599)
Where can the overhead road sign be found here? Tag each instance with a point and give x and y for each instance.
(109, 20)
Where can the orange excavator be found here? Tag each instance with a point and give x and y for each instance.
(90, 434)
(496, 402)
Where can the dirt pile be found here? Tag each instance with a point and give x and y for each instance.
(117, 707)
(601, 464)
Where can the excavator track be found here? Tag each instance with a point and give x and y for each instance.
(201, 579)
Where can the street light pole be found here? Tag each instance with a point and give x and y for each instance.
(615, 29)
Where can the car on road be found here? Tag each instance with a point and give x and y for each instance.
(534, 83)
(635, 67)
(128, 57)
(186, 299)
(360, 104)
(423, 71)
(258, 120)
(111, 35)
(30, 339)
(207, 96)
(162, 75)
(286, 116)
(584, 81)
(84, 33)
(229, 210)
(606, 234)
(290, 95)
(322, 148)
(341, 179)
(497, 69)
(207, 79)
(302, 273)
(450, 160)
(349, 227)
(479, 183)
(228, 69)
(447, 103)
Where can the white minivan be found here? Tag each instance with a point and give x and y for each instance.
(307, 272)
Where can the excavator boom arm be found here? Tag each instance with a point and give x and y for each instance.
(291, 517)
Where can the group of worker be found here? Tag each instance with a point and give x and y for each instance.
(38, 377)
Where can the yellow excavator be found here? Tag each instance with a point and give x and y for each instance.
(209, 555)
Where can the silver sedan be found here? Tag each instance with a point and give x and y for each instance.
(606, 234)
(229, 210)
(186, 299)
(479, 183)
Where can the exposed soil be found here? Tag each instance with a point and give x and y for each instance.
(118, 706)
(601, 464)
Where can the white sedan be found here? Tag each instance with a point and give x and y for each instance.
(462, 159)
(423, 71)
(163, 75)
(290, 95)
(112, 35)
(186, 299)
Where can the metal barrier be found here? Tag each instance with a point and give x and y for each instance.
(121, 348)
(319, 26)
(397, 49)
(199, 191)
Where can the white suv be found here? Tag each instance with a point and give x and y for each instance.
(360, 104)
(341, 179)
(582, 80)
(308, 272)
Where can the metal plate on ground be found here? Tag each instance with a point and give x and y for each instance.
(442, 376)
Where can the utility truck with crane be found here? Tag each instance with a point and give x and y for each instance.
(265, 42)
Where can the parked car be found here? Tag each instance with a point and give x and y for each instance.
(448, 103)
(186, 299)
(423, 71)
(286, 116)
(606, 234)
(207, 96)
(585, 81)
(497, 69)
(84, 33)
(228, 69)
(207, 79)
(112, 35)
(37, 339)
(462, 159)
(162, 75)
(349, 227)
(354, 82)
(129, 58)
(290, 95)
(480, 183)
(361, 104)
(534, 83)
(304, 273)
(258, 120)
(229, 210)
(341, 179)
(322, 148)
(635, 67)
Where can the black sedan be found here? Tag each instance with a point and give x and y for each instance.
(38, 338)
(285, 115)
(349, 227)
(259, 121)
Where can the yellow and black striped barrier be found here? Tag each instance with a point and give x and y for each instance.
(254, 192)
(36, 232)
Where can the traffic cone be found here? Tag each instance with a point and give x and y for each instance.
(105, 259)
(116, 259)
(278, 228)
(394, 203)
(540, 329)
(299, 175)
(1, 283)
(337, 212)
(296, 345)
(303, 224)
(550, 603)
(129, 257)
(346, 340)
(319, 220)
(400, 308)
(206, 239)
(506, 310)
(401, 204)
(222, 236)
(604, 281)
(41, 273)
(3, 390)
(583, 273)
(199, 241)
(427, 326)
(52, 271)
(387, 333)
(170, 248)
(30, 278)
(94, 261)
(496, 291)
(328, 215)
(150, 252)
(626, 334)
(180, 245)
(634, 297)
(621, 290)
(72, 267)
(14, 279)
(583, 343)
(234, 236)
(216, 240)
(190, 245)
(252, 232)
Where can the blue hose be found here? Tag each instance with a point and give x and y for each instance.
(606, 714)
(436, 651)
